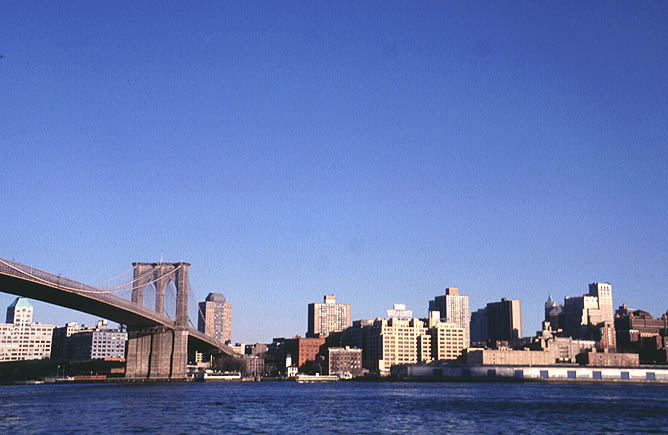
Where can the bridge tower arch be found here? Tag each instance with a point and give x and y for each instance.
(159, 353)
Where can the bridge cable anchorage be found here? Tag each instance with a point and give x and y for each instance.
(89, 289)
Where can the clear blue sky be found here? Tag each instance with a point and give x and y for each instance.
(381, 151)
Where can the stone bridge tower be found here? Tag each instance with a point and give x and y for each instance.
(159, 353)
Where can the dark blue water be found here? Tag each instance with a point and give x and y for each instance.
(350, 407)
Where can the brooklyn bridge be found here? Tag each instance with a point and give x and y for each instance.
(158, 344)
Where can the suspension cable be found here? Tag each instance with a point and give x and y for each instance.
(133, 280)
(113, 278)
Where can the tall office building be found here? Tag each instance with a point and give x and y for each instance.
(20, 338)
(504, 320)
(603, 291)
(582, 314)
(327, 317)
(454, 309)
(479, 327)
(215, 317)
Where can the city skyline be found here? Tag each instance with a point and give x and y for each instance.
(379, 152)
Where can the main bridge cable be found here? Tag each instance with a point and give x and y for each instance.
(81, 289)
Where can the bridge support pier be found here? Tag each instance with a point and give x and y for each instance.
(156, 354)
(159, 353)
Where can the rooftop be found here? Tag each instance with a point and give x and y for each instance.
(21, 302)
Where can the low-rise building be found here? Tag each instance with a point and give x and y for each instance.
(98, 343)
(239, 348)
(342, 360)
(609, 359)
(640, 332)
(60, 348)
(256, 349)
(253, 366)
(303, 349)
(507, 356)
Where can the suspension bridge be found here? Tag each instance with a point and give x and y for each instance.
(158, 343)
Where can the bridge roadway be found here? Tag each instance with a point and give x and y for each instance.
(26, 281)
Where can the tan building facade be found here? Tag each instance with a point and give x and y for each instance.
(215, 317)
(448, 339)
(397, 341)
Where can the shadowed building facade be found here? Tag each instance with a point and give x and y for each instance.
(504, 320)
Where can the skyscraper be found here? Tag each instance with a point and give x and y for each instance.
(454, 309)
(479, 327)
(327, 317)
(603, 291)
(215, 317)
(504, 320)
(549, 306)
(582, 314)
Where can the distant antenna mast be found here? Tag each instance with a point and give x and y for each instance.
(161, 256)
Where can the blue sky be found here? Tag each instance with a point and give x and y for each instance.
(380, 151)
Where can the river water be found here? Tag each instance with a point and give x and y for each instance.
(344, 407)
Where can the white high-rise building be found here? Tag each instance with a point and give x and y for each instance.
(20, 338)
(327, 317)
(454, 309)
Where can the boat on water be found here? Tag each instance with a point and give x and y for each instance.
(211, 376)
(302, 378)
